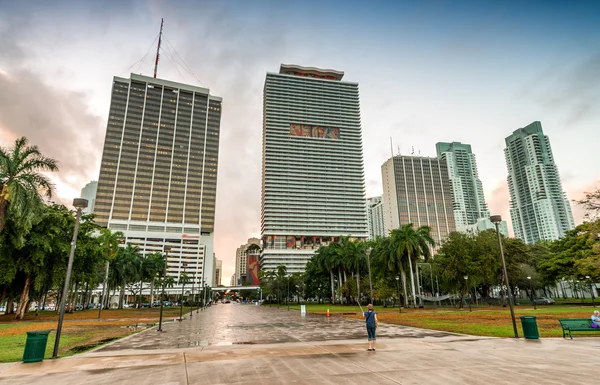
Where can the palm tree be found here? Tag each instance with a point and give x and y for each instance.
(109, 241)
(410, 245)
(126, 268)
(23, 183)
(356, 257)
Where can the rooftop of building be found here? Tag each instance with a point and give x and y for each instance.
(163, 82)
(312, 72)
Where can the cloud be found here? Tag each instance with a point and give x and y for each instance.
(499, 203)
(57, 122)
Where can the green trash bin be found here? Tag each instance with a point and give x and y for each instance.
(35, 347)
(529, 324)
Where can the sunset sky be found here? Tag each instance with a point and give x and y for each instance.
(428, 71)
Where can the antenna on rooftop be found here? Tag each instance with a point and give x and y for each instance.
(158, 48)
(391, 147)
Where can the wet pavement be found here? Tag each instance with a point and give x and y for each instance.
(246, 324)
(244, 344)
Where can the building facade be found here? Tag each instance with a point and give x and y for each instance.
(417, 190)
(375, 222)
(218, 271)
(241, 260)
(158, 176)
(539, 206)
(89, 193)
(313, 185)
(471, 212)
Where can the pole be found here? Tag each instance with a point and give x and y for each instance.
(66, 287)
(158, 48)
(510, 296)
(104, 288)
(181, 305)
(192, 306)
(162, 294)
(370, 282)
(398, 289)
(287, 299)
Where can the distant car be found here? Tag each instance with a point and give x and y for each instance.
(2, 309)
(79, 307)
(228, 301)
(543, 301)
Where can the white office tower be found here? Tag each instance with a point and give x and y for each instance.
(539, 206)
(158, 177)
(313, 185)
(241, 260)
(89, 193)
(375, 220)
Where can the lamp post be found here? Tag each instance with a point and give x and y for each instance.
(79, 204)
(591, 289)
(532, 296)
(368, 252)
(496, 219)
(287, 299)
(182, 288)
(466, 277)
(398, 289)
(105, 284)
(192, 305)
(205, 295)
(162, 294)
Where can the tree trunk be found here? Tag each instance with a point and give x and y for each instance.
(24, 300)
(340, 284)
(141, 287)
(412, 283)
(104, 286)
(332, 287)
(10, 305)
(403, 276)
(358, 286)
(3, 208)
(418, 277)
(122, 295)
(3, 296)
(152, 291)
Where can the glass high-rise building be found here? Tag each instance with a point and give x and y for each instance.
(89, 193)
(313, 185)
(417, 190)
(376, 224)
(539, 206)
(158, 177)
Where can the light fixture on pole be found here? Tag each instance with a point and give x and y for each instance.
(368, 252)
(591, 289)
(398, 289)
(79, 204)
(182, 280)
(192, 304)
(496, 219)
(287, 299)
(466, 277)
(162, 294)
(532, 296)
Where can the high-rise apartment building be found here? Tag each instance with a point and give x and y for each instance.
(539, 205)
(375, 222)
(417, 190)
(158, 176)
(471, 213)
(218, 271)
(89, 193)
(313, 187)
(241, 260)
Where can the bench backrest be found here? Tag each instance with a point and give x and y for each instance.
(576, 322)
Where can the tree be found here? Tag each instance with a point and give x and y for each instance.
(23, 184)
(591, 202)
(110, 245)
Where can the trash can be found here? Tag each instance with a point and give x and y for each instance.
(35, 347)
(530, 330)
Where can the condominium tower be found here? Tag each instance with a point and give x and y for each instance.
(241, 260)
(375, 222)
(539, 205)
(471, 213)
(417, 190)
(158, 176)
(313, 185)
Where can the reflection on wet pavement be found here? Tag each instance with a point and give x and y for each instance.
(235, 324)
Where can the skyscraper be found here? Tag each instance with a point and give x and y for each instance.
(89, 193)
(539, 205)
(417, 190)
(218, 271)
(241, 260)
(470, 209)
(313, 187)
(158, 176)
(375, 222)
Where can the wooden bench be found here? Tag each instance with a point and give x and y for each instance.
(576, 325)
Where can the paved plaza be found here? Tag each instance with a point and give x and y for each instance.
(246, 344)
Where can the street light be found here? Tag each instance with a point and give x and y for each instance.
(532, 296)
(162, 294)
(287, 299)
(182, 288)
(368, 252)
(591, 289)
(496, 219)
(466, 277)
(192, 306)
(79, 204)
(105, 283)
(398, 288)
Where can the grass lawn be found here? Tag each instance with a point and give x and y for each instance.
(81, 330)
(482, 321)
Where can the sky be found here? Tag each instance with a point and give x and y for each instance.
(428, 71)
